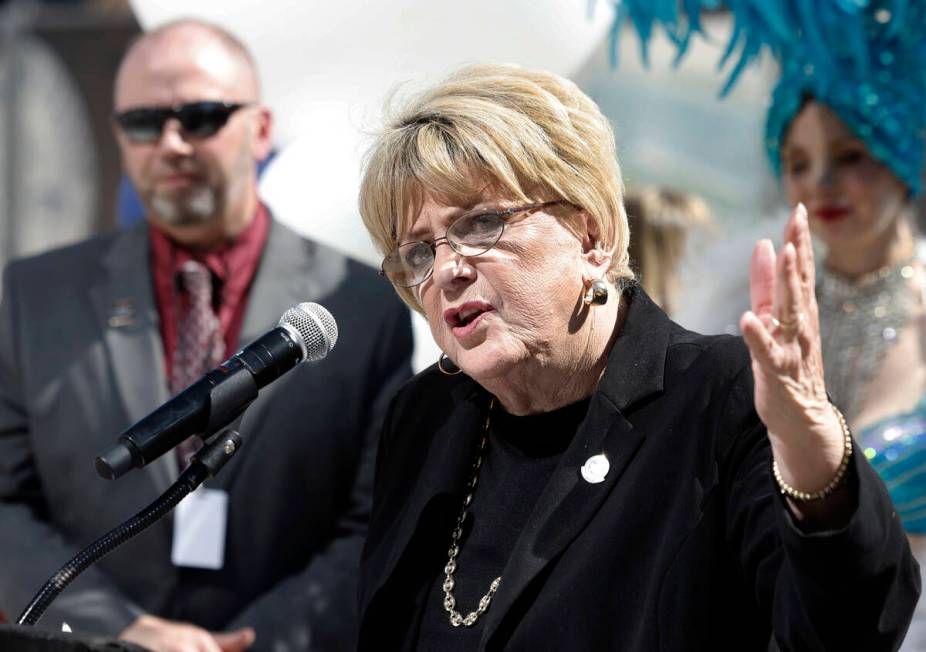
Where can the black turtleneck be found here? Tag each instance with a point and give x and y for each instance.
(521, 455)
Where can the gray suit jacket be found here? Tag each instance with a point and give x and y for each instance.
(81, 359)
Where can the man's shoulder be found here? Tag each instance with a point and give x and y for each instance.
(346, 279)
(319, 251)
(69, 260)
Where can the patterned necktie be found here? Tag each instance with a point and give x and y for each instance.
(200, 344)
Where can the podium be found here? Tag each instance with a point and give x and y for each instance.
(17, 638)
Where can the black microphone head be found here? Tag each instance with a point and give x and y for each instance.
(316, 327)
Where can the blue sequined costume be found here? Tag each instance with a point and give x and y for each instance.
(896, 447)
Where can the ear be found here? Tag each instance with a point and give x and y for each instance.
(121, 141)
(597, 260)
(262, 137)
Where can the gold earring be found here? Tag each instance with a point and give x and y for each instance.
(597, 294)
(440, 365)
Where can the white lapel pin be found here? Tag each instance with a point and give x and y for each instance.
(596, 469)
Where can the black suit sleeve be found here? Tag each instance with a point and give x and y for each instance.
(316, 609)
(847, 589)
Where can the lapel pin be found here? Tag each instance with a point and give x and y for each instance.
(595, 469)
(122, 313)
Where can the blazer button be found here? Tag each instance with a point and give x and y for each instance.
(596, 469)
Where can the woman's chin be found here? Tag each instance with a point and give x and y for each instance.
(485, 362)
(480, 370)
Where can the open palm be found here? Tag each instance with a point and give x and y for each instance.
(782, 331)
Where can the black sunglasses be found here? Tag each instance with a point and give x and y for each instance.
(197, 119)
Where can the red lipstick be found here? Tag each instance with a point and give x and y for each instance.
(831, 213)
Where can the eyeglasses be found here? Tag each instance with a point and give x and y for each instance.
(197, 119)
(472, 234)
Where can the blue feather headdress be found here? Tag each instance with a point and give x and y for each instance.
(865, 59)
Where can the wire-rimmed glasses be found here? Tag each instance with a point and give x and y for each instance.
(472, 234)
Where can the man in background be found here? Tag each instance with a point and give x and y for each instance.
(95, 336)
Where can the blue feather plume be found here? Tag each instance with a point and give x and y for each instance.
(865, 59)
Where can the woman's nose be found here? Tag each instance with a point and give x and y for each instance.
(825, 175)
(450, 268)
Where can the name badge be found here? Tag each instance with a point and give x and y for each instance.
(199, 530)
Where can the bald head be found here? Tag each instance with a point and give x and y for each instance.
(198, 48)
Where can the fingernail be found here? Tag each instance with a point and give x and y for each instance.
(801, 213)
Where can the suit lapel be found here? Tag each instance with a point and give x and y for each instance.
(635, 371)
(123, 299)
(445, 470)
(292, 270)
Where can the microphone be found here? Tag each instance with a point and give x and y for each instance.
(306, 332)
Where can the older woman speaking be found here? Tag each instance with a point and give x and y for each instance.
(577, 472)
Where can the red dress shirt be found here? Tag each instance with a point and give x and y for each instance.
(233, 266)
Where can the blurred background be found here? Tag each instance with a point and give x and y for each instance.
(328, 67)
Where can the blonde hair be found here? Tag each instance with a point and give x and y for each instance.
(660, 220)
(529, 134)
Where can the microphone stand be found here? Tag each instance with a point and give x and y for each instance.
(205, 463)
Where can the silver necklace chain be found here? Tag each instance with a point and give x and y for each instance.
(859, 322)
(450, 603)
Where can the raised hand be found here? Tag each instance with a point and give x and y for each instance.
(782, 332)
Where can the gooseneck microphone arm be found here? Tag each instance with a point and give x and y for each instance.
(206, 462)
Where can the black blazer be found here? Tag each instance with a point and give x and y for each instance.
(686, 545)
